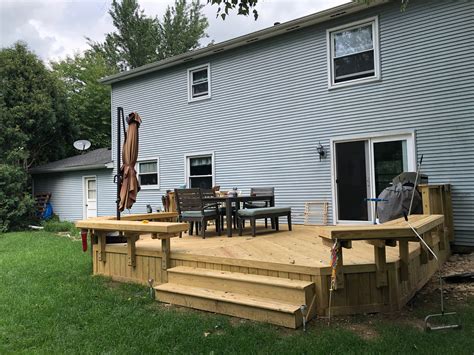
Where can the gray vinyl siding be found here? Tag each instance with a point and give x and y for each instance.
(271, 106)
(67, 192)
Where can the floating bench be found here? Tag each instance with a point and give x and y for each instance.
(253, 214)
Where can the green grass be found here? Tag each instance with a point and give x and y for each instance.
(54, 225)
(50, 303)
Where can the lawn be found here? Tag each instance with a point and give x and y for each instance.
(50, 303)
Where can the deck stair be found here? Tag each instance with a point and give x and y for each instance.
(262, 298)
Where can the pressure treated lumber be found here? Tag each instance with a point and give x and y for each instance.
(233, 304)
(139, 227)
(397, 229)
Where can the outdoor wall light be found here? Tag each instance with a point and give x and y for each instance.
(321, 152)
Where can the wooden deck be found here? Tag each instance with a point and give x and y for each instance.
(297, 255)
(267, 277)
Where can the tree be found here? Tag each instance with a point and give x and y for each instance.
(34, 128)
(134, 42)
(181, 29)
(88, 100)
(140, 39)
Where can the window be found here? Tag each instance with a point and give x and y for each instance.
(353, 53)
(148, 173)
(200, 171)
(199, 83)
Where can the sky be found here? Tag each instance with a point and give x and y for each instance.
(55, 29)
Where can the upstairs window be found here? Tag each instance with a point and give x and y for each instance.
(353, 53)
(148, 173)
(199, 83)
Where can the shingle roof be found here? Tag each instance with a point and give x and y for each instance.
(96, 159)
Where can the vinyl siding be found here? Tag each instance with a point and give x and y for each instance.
(271, 106)
(67, 192)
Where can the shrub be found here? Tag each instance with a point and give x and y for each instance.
(17, 204)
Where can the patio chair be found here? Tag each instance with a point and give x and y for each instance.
(192, 209)
(260, 191)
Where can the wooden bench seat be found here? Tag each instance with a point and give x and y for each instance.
(253, 214)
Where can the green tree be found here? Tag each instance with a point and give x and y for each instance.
(181, 29)
(134, 42)
(88, 100)
(35, 120)
(140, 39)
(34, 128)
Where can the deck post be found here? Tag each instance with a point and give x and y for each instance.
(339, 273)
(404, 259)
(165, 248)
(131, 255)
(102, 242)
(381, 266)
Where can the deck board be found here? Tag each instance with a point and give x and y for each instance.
(302, 245)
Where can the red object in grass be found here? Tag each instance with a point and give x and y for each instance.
(84, 239)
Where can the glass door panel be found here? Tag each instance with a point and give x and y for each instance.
(351, 180)
(390, 159)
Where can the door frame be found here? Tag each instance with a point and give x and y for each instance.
(371, 138)
(84, 194)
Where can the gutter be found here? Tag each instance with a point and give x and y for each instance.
(266, 33)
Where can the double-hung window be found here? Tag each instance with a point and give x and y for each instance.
(200, 170)
(353, 53)
(148, 173)
(199, 83)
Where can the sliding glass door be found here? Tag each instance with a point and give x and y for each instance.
(363, 168)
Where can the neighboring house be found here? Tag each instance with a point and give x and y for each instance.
(81, 186)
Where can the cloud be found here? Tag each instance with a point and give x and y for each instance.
(54, 29)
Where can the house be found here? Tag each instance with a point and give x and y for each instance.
(371, 86)
(77, 184)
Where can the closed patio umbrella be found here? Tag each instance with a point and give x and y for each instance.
(130, 185)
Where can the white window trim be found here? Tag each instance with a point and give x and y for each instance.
(371, 137)
(190, 89)
(329, 45)
(84, 196)
(198, 155)
(146, 160)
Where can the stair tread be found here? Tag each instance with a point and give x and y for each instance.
(231, 297)
(238, 276)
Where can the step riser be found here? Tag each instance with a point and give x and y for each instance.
(236, 310)
(276, 292)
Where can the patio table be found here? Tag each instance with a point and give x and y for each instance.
(230, 201)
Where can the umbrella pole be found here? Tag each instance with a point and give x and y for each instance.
(119, 177)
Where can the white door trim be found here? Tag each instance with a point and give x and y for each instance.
(371, 138)
(84, 194)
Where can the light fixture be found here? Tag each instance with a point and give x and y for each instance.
(321, 152)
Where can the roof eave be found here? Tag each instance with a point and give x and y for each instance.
(266, 33)
(108, 165)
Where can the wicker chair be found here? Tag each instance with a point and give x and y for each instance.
(192, 209)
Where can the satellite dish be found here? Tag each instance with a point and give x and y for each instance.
(82, 145)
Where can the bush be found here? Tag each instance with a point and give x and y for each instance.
(17, 204)
(54, 225)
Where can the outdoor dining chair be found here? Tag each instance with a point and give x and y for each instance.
(191, 208)
(260, 191)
